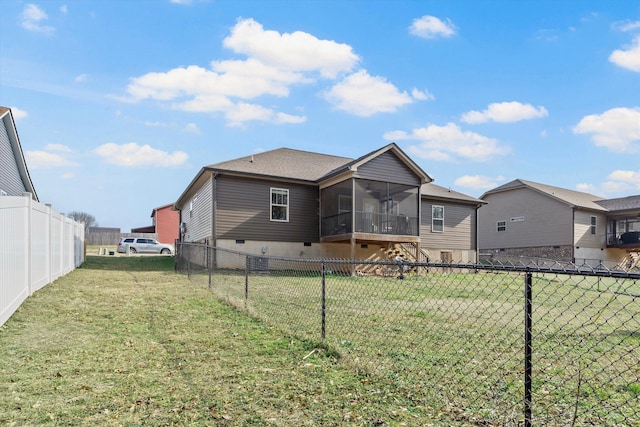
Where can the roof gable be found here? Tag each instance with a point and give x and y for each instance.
(576, 199)
(355, 164)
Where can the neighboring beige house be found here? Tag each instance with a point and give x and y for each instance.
(14, 175)
(301, 204)
(533, 220)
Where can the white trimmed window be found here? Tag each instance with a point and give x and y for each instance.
(501, 226)
(279, 204)
(437, 219)
(594, 221)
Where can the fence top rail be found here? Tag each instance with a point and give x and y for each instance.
(551, 266)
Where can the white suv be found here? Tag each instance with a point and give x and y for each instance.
(143, 245)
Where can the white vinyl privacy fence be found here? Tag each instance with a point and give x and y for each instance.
(37, 245)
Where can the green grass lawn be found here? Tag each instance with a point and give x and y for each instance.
(125, 341)
(456, 339)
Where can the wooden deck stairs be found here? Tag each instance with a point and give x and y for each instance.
(630, 262)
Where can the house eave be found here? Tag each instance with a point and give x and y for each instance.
(16, 147)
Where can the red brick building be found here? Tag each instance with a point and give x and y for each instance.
(165, 224)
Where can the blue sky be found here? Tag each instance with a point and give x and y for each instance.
(118, 104)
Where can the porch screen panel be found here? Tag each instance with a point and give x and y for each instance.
(335, 206)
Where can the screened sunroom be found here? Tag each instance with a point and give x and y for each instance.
(369, 210)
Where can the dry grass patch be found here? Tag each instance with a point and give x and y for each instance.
(126, 341)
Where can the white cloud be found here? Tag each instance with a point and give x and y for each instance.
(181, 1)
(275, 63)
(156, 124)
(617, 182)
(449, 141)
(192, 128)
(617, 129)
(630, 58)
(45, 159)
(627, 25)
(132, 154)
(244, 112)
(81, 78)
(68, 175)
(297, 51)
(365, 95)
(282, 118)
(32, 18)
(547, 35)
(431, 27)
(64, 9)
(478, 182)
(587, 188)
(623, 180)
(58, 147)
(504, 112)
(422, 95)
(18, 114)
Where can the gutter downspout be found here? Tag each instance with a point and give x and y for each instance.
(477, 251)
(214, 209)
(573, 235)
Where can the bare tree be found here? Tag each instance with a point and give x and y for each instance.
(88, 219)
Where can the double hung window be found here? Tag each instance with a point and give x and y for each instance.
(279, 204)
(437, 219)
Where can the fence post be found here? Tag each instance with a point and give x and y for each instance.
(324, 301)
(528, 347)
(176, 258)
(246, 282)
(189, 262)
(209, 266)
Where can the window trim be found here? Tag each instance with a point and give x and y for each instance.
(275, 190)
(500, 228)
(434, 219)
(593, 226)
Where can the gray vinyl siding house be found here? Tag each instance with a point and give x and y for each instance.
(14, 175)
(456, 239)
(525, 219)
(243, 209)
(295, 203)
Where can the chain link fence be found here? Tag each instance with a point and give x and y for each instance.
(488, 344)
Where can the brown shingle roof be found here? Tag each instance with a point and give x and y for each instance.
(285, 163)
(438, 192)
(621, 204)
